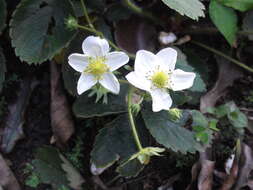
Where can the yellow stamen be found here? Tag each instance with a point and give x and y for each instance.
(160, 79)
(97, 66)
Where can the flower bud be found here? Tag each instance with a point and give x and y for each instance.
(175, 114)
(71, 23)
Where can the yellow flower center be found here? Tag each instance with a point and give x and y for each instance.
(97, 66)
(160, 79)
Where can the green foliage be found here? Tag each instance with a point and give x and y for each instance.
(2, 69)
(32, 180)
(52, 168)
(46, 34)
(115, 143)
(241, 5)
(3, 14)
(191, 8)
(225, 19)
(75, 156)
(232, 113)
(169, 133)
(85, 107)
(203, 127)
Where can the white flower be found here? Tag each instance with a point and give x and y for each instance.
(156, 74)
(97, 64)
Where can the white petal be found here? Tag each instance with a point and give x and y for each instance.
(95, 46)
(138, 81)
(85, 82)
(116, 59)
(181, 80)
(145, 62)
(78, 61)
(168, 57)
(161, 100)
(110, 82)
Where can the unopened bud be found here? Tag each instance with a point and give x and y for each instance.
(175, 114)
(71, 23)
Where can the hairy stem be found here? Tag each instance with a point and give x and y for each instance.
(223, 55)
(131, 118)
(86, 15)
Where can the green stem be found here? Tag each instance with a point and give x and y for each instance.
(123, 81)
(86, 15)
(131, 118)
(223, 55)
(130, 5)
(90, 30)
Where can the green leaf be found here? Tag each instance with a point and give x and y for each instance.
(169, 133)
(53, 168)
(191, 8)
(225, 19)
(38, 30)
(85, 107)
(238, 119)
(114, 143)
(213, 124)
(199, 119)
(3, 14)
(241, 5)
(202, 137)
(2, 69)
(219, 111)
(198, 129)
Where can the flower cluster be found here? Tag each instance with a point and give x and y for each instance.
(154, 73)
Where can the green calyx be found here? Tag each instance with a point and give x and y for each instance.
(144, 155)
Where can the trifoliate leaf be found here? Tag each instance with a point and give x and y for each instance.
(225, 19)
(169, 133)
(38, 30)
(2, 69)
(85, 107)
(2, 14)
(52, 168)
(191, 8)
(241, 5)
(114, 143)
